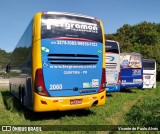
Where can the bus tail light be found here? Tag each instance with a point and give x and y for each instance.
(39, 83)
(119, 79)
(142, 78)
(103, 82)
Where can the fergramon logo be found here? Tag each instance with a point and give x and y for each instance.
(71, 25)
(6, 128)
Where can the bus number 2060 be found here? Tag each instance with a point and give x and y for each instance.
(55, 86)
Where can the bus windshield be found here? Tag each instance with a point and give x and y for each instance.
(148, 65)
(112, 47)
(55, 26)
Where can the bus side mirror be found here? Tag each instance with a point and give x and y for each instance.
(8, 68)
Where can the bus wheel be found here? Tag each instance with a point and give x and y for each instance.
(122, 89)
(141, 88)
(22, 95)
(10, 87)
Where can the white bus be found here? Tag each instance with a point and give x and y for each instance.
(149, 73)
(112, 66)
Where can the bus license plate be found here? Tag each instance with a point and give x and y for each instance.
(74, 102)
(147, 77)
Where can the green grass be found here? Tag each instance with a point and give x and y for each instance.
(132, 107)
(146, 112)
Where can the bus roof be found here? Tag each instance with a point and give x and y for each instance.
(112, 41)
(66, 13)
(132, 53)
(148, 60)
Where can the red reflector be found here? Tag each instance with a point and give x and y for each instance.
(119, 79)
(55, 100)
(102, 97)
(43, 102)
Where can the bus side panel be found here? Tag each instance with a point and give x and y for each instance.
(20, 64)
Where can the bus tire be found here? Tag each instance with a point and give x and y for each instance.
(141, 88)
(10, 87)
(122, 89)
(21, 95)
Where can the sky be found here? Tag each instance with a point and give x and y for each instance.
(15, 15)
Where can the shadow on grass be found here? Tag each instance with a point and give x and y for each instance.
(127, 90)
(109, 95)
(12, 104)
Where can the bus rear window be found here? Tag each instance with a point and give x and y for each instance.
(148, 65)
(112, 47)
(55, 26)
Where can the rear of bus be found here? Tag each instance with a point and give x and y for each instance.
(131, 70)
(112, 66)
(72, 71)
(149, 73)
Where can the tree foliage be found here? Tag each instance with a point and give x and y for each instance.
(4, 58)
(142, 38)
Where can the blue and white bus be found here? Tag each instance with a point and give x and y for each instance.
(131, 70)
(112, 66)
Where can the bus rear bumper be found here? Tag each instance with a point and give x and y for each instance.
(113, 88)
(44, 104)
(131, 85)
(149, 86)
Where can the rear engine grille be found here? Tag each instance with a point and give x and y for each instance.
(81, 59)
(111, 65)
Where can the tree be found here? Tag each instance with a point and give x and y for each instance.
(142, 38)
(4, 58)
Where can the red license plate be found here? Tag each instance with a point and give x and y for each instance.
(74, 102)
